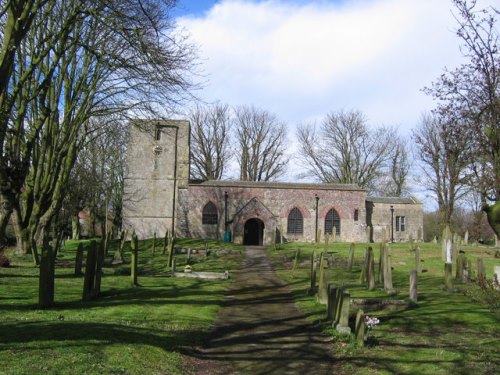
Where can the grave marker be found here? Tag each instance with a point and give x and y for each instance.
(350, 258)
(359, 328)
(413, 286)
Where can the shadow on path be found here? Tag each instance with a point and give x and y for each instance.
(260, 330)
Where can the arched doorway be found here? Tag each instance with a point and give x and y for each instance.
(254, 233)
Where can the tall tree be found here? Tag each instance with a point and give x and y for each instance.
(210, 137)
(261, 144)
(108, 58)
(469, 99)
(344, 150)
(445, 160)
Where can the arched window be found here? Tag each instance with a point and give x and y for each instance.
(332, 219)
(210, 215)
(295, 222)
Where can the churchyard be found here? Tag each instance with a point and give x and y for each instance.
(445, 331)
(153, 326)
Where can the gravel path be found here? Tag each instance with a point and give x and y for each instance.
(260, 330)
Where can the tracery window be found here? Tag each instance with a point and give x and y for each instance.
(332, 219)
(210, 214)
(295, 222)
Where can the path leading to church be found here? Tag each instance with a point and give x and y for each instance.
(260, 330)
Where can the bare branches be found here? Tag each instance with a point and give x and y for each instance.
(210, 136)
(345, 150)
(261, 144)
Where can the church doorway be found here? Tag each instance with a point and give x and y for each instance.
(254, 233)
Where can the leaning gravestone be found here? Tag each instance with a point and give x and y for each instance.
(388, 272)
(370, 277)
(343, 324)
(359, 329)
(332, 301)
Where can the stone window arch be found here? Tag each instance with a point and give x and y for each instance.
(332, 219)
(295, 223)
(210, 214)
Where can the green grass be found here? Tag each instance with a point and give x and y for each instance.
(126, 331)
(446, 332)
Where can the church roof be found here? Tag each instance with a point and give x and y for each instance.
(275, 185)
(393, 200)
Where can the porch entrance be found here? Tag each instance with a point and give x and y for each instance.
(254, 233)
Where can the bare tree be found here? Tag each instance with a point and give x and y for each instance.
(345, 150)
(210, 137)
(262, 142)
(445, 161)
(106, 58)
(469, 99)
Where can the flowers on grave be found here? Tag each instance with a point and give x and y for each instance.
(370, 322)
(188, 268)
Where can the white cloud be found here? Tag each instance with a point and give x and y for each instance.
(302, 61)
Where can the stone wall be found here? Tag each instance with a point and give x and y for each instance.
(379, 218)
(271, 203)
(157, 166)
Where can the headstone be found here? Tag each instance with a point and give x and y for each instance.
(481, 271)
(388, 272)
(368, 233)
(435, 240)
(448, 251)
(338, 306)
(370, 270)
(79, 260)
(460, 265)
(332, 301)
(466, 237)
(467, 271)
(364, 268)
(314, 268)
(46, 278)
(90, 266)
(134, 244)
(343, 324)
(380, 277)
(359, 328)
(350, 258)
(322, 296)
(447, 277)
(413, 286)
(457, 240)
(101, 253)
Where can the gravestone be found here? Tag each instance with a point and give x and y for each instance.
(370, 277)
(322, 295)
(447, 277)
(466, 237)
(46, 278)
(460, 266)
(343, 323)
(314, 267)
(413, 286)
(350, 258)
(90, 266)
(134, 244)
(359, 328)
(481, 271)
(435, 240)
(388, 272)
(380, 278)
(79, 260)
(368, 233)
(332, 301)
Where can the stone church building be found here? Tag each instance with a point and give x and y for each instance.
(159, 196)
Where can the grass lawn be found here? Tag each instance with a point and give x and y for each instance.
(127, 330)
(445, 333)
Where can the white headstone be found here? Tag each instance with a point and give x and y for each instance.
(448, 251)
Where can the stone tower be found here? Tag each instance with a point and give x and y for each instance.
(157, 167)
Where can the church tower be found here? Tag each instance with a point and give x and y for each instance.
(157, 167)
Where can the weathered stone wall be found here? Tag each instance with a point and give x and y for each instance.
(379, 210)
(271, 202)
(157, 165)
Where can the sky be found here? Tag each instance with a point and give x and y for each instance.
(303, 59)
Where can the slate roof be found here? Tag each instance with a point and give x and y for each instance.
(275, 185)
(393, 200)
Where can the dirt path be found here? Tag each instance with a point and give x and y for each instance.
(259, 329)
